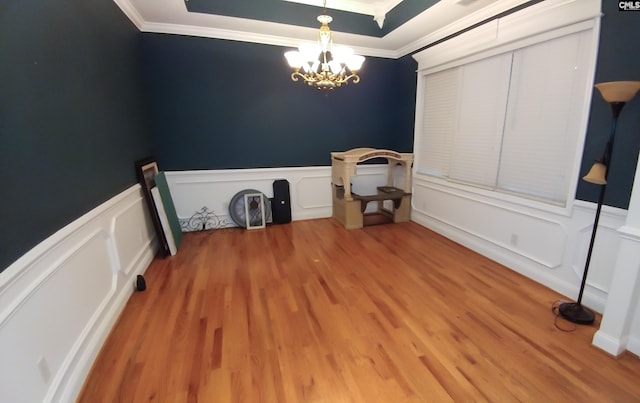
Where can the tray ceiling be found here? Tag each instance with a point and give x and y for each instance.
(384, 28)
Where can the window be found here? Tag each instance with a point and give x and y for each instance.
(511, 122)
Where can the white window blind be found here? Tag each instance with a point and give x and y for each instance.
(542, 126)
(439, 120)
(508, 122)
(476, 143)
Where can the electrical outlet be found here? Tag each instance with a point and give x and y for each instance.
(45, 371)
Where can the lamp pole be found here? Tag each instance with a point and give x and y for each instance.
(616, 107)
(616, 94)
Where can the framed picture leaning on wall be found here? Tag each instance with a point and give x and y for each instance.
(254, 210)
(146, 171)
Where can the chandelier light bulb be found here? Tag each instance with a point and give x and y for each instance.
(341, 53)
(294, 59)
(310, 51)
(355, 62)
(336, 67)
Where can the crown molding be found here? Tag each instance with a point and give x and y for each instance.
(131, 12)
(460, 25)
(244, 36)
(394, 45)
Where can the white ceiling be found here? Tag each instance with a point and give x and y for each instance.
(442, 19)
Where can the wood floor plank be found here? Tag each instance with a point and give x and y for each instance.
(311, 312)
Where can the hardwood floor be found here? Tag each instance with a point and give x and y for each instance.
(311, 312)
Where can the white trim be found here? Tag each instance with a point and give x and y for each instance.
(131, 12)
(50, 271)
(629, 232)
(251, 37)
(492, 250)
(542, 261)
(488, 226)
(546, 20)
(463, 50)
(495, 195)
(15, 270)
(398, 43)
(310, 189)
(633, 345)
(97, 255)
(609, 343)
(461, 24)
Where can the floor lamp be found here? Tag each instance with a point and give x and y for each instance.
(617, 94)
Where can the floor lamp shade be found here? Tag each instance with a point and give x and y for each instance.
(616, 93)
(597, 174)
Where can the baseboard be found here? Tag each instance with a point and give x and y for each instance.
(634, 345)
(611, 345)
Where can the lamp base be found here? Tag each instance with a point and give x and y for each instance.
(576, 313)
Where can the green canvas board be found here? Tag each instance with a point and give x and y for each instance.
(170, 209)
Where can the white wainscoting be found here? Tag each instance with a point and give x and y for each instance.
(59, 301)
(634, 334)
(310, 189)
(545, 244)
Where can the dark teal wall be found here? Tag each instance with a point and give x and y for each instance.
(72, 121)
(73, 117)
(618, 60)
(220, 104)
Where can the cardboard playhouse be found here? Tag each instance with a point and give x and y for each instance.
(393, 203)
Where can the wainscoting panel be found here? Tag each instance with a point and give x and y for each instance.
(547, 246)
(202, 198)
(603, 256)
(130, 229)
(309, 195)
(59, 301)
(487, 221)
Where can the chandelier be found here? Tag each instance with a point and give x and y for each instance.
(323, 65)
